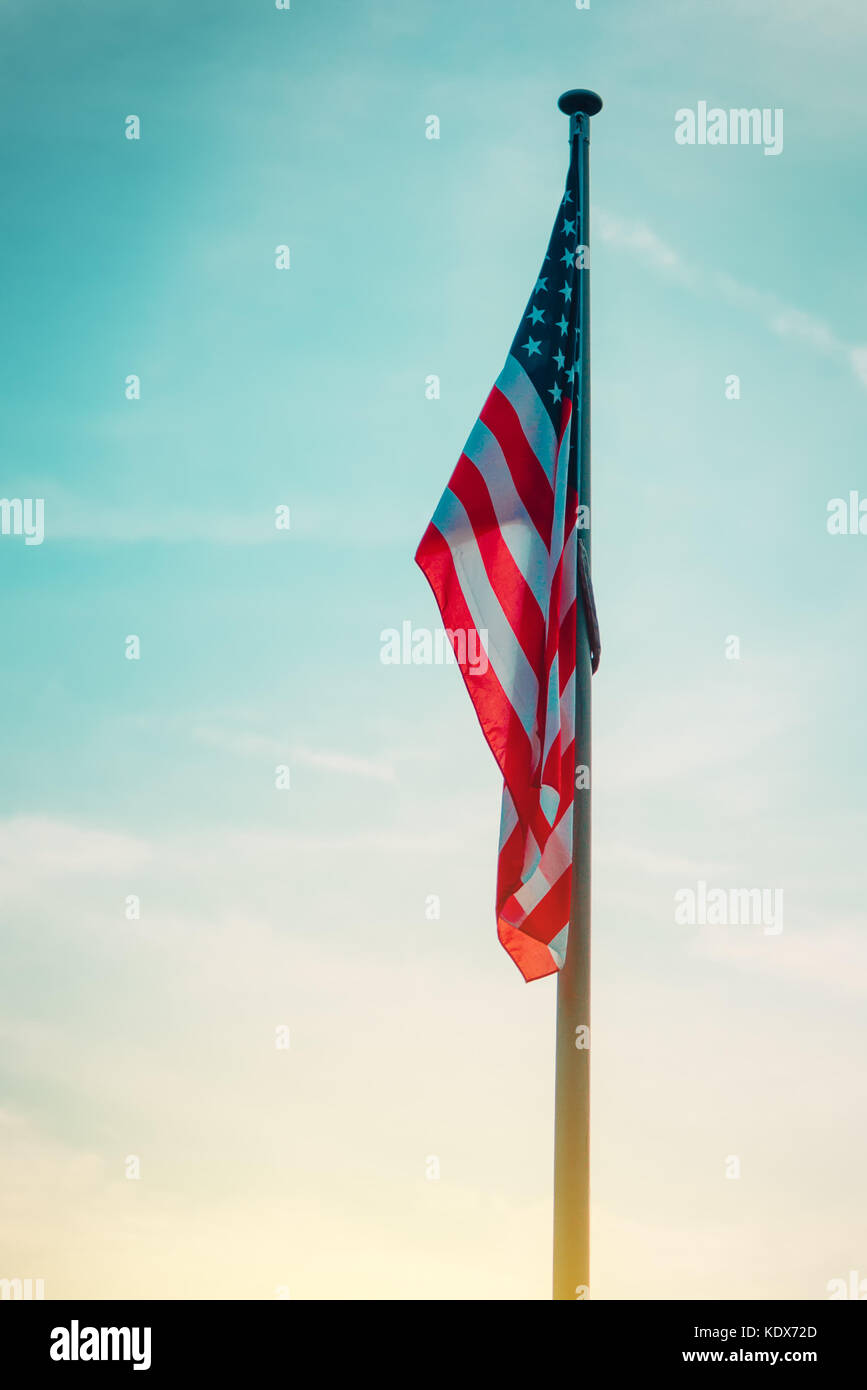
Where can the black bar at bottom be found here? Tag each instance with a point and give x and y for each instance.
(291, 1338)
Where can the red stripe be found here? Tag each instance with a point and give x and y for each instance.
(501, 726)
(532, 959)
(515, 596)
(528, 475)
(553, 908)
(568, 638)
(567, 772)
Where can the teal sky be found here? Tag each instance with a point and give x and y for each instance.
(306, 387)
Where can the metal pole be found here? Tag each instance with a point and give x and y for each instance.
(572, 1087)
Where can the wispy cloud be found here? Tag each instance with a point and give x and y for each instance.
(780, 318)
(246, 744)
(345, 763)
(44, 847)
(833, 958)
(240, 742)
(94, 515)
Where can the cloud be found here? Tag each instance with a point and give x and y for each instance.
(832, 958)
(626, 857)
(778, 317)
(240, 742)
(247, 744)
(88, 518)
(264, 1168)
(858, 357)
(689, 735)
(345, 763)
(639, 239)
(804, 328)
(42, 847)
(157, 1038)
(92, 516)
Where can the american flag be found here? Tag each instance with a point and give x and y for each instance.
(501, 555)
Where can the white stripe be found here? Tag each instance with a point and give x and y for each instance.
(555, 860)
(531, 893)
(526, 546)
(532, 856)
(508, 816)
(552, 706)
(517, 387)
(557, 947)
(570, 573)
(505, 653)
(558, 850)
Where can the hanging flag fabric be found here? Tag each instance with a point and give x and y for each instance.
(501, 555)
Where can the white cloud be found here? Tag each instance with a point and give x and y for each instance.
(241, 742)
(247, 744)
(858, 357)
(832, 959)
(41, 846)
(782, 319)
(157, 1038)
(345, 763)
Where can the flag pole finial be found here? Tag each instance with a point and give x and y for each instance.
(579, 101)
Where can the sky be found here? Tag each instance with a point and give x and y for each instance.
(155, 1140)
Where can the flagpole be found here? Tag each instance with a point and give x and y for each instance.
(572, 1086)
